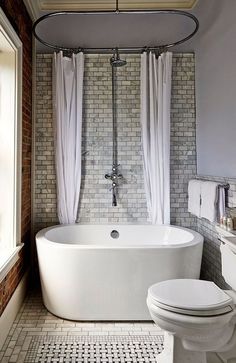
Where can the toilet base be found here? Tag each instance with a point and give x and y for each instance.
(229, 356)
(174, 352)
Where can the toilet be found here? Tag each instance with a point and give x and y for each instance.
(199, 319)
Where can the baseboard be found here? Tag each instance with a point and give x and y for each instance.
(8, 316)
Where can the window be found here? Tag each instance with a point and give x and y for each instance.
(10, 144)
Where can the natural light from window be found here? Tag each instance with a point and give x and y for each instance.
(10, 140)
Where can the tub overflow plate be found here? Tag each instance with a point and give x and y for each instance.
(114, 234)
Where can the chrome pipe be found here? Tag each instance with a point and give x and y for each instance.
(114, 120)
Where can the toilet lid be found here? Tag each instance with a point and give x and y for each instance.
(192, 297)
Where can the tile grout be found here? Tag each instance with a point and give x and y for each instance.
(35, 322)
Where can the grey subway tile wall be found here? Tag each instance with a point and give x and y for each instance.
(95, 199)
(183, 137)
(211, 262)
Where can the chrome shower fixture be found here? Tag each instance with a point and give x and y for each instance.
(114, 177)
(115, 60)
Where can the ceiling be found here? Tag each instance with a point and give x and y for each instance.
(120, 30)
(36, 7)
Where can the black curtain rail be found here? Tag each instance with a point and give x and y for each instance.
(157, 48)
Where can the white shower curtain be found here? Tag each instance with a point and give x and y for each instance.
(155, 123)
(68, 97)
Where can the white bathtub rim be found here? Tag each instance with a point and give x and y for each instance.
(40, 238)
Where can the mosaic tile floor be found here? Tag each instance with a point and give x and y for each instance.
(110, 349)
(38, 336)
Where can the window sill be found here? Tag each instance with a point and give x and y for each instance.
(9, 262)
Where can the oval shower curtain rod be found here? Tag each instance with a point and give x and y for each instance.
(157, 48)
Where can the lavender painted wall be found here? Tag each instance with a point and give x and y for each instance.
(215, 91)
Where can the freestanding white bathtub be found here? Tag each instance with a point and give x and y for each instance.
(88, 272)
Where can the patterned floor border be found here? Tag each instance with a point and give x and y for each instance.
(95, 349)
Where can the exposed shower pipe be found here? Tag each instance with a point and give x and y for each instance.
(114, 117)
(138, 50)
(115, 176)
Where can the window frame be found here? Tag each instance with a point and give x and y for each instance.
(16, 44)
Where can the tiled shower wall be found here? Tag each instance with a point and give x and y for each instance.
(95, 202)
(211, 262)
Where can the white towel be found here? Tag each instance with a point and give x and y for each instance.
(194, 197)
(221, 202)
(209, 198)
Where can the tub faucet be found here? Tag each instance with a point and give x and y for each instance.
(114, 201)
(114, 177)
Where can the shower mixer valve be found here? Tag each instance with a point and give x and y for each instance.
(114, 177)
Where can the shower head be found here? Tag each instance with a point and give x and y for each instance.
(118, 62)
(115, 60)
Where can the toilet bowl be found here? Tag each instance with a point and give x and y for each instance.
(197, 316)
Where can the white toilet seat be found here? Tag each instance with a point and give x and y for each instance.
(190, 297)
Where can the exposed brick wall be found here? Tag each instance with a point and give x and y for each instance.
(10, 282)
(17, 14)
